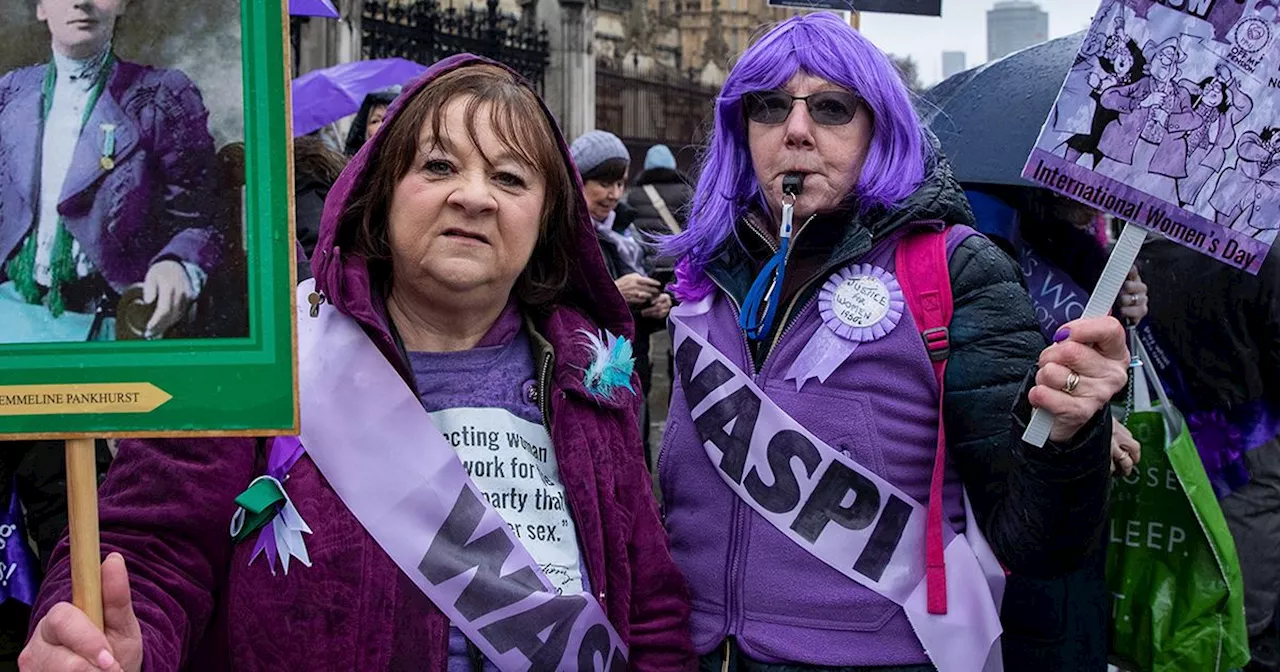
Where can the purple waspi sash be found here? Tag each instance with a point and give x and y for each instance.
(369, 435)
(801, 485)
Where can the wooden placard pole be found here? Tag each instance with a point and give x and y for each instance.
(82, 523)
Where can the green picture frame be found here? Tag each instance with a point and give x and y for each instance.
(228, 385)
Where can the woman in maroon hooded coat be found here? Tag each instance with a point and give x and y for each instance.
(456, 248)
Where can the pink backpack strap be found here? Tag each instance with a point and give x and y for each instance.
(923, 273)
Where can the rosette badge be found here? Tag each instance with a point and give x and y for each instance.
(266, 508)
(857, 304)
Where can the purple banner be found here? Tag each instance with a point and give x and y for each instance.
(375, 444)
(17, 562)
(1057, 299)
(842, 513)
(1170, 119)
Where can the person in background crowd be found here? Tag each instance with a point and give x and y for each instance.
(1054, 240)
(1220, 329)
(660, 197)
(315, 169)
(603, 162)
(457, 275)
(373, 111)
(814, 121)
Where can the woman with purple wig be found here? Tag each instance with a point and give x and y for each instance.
(824, 515)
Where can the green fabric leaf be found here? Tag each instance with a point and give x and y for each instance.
(260, 503)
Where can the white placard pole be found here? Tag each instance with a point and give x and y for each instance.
(1122, 258)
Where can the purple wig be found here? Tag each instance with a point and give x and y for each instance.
(823, 45)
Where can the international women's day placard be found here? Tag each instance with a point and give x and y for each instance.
(1169, 119)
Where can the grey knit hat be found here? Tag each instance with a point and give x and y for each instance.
(594, 148)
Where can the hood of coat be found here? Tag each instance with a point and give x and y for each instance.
(589, 302)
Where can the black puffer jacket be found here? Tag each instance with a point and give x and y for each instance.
(1241, 362)
(1042, 509)
(675, 191)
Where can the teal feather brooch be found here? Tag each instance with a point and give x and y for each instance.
(611, 364)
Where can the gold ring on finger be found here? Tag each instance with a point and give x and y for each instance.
(1073, 381)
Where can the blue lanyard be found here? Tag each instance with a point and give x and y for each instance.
(769, 282)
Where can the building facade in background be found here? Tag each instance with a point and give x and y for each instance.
(548, 41)
(1014, 25)
(647, 70)
(952, 63)
(659, 64)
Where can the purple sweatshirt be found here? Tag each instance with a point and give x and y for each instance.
(497, 373)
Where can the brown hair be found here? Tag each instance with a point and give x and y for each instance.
(517, 117)
(314, 161)
(613, 170)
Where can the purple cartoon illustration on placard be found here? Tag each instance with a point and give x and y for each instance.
(1154, 116)
(1101, 64)
(1222, 16)
(1221, 104)
(1248, 195)
(1251, 40)
(1167, 119)
(1118, 67)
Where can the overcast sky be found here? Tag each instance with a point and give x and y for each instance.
(963, 27)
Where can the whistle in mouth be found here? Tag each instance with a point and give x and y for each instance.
(793, 183)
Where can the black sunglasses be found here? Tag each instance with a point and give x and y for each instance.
(828, 108)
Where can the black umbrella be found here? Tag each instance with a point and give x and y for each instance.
(989, 117)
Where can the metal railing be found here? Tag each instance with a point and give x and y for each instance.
(644, 109)
(423, 31)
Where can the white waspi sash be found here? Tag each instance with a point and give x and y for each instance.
(876, 539)
(369, 435)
